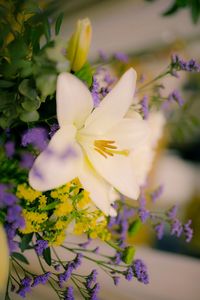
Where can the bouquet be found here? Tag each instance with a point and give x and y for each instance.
(77, 142)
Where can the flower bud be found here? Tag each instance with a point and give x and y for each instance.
(4, 255)
(79, 44)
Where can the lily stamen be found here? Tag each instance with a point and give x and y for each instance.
(106, 148)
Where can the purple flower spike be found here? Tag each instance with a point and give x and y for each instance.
(140, 271)
(188, 231)
(10, 149)
(145, 107)
(41, 245)
(37, 137)
(69, 294)
(159, 229)
(122, 57)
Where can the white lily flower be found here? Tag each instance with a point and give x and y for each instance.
(4, 256)
(102, 142)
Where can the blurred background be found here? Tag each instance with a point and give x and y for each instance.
(138, 29)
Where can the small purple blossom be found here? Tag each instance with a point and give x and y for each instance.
(145, 107)
(40, 246)
(103, 56)
(94, 292)
(144, 214)
(69, 294)
(37, 137)
(95, 92)
(122, 57)
(172, 212)
(177, 63)
(159, 229)
(129, 274)
(41, 279)
(25, 287)
(116, 280)
(66, 275)
(91, 279)
(176, 228)
(157, 193)
(10, 149)
(27, 160)
(77, 261)
(188, 231)
(140, 271)
(175, 96)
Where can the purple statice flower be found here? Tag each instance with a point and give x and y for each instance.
(176, 228)
(69, 294)
(27, 160)
(140, 271)
(159, 229)
(145, 107)
(91, 279)
(41, 279)
(13, 213)
(94, 292)
(40, 246)
(9, 199)
(144, 214)
(77, 261)
(10, 148)
(175, 96)
(95, 92)
(53, 128)
(129, 274)
(179, 64)
(157, 193)
(171, 214)
(116, 280)
(25, 287)
(117, 258)
(102, 55)
(109, 79)
(122, 57)
(104, 91)
(37, 137)
(66, 275)
(188, 231)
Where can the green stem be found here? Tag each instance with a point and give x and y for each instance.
(153, 81)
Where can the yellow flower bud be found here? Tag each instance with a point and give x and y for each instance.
(79, 44)
(4, 257)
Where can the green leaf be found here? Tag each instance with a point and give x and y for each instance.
(24, 244)
(47, 30)
(29, 116)
(47, 256)
(50, 206)
(128, 255)
(20, 257)
(18, 49)
(85, 74)
(46, 84)
(58, 23)
(31, 105)
(26, 89)
(134, 227)
(195, 10)
(171, 10)
(6, 84)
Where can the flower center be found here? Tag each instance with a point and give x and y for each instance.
(108, 148)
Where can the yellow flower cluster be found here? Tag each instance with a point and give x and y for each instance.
(52, 212)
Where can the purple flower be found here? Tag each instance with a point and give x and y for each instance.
(41, 279)
(145, 107)
(69, 294)
(77, 261)
(10, 149)
(53, 128)
(188, 231)
(9, 199)
(175, 96)
(117, 258)
(172, 212)
(35, 136)
(176, 228)
(121, 57)
(109, 79)
(103, 56)
(40, 246)
(25, 287)
(159, 229)
(157, 193)
(129, 274)
(66, 275)
(27, 160)
(144, 214)
(94, 292)
(91, 279)
(95, 92)
(140, 271)
(116, 280)
(179, 64)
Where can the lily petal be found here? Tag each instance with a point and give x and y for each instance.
(59, 163)
(128, 133)
(4, 255)
(74, 101)
(114, 106)
(98, 188)
(117, 170)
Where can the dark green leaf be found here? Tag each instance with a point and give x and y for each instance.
(6, 84)
(58, 23)
(31, 105)
(195, 10)
(24, 244)
(171, 10)
(20, 257)
(27, 90)
(47, 256)
(47, 30)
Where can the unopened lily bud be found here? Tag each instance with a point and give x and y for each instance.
(79, 44)
(4, 259)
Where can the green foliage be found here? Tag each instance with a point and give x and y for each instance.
(25, 240)
(134, 227)
(20, 257)
(47, 255)
(128, 255)
(85, 74)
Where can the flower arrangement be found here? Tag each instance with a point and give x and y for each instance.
(76, 148)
